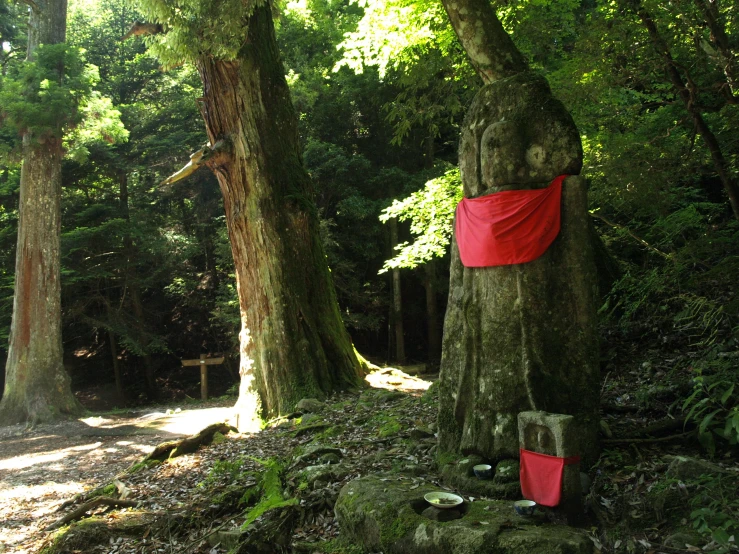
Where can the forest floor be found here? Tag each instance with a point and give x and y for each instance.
(654, 493)
(45, 466)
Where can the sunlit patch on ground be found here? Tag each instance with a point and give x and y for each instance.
(40, 470)
(392, 378)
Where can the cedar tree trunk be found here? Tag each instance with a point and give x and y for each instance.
(37, 388)
(293, 341)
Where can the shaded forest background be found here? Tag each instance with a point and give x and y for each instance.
(380, 91)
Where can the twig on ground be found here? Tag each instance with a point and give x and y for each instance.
(645, 441)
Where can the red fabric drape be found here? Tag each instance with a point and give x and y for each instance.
(541, 477)
(508, 227)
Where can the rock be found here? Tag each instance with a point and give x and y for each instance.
(435, 514)
(386, 515)
(309, 405)
(314, 451)
(227, 539)
(307, 419)
(684, 468)
(323, 473)
(507, 471)
(462, 477)
(464, 467)
(421, 433)
(682, 539)
(585, 483)
(389, 396)
(605, 429)
(330, 458)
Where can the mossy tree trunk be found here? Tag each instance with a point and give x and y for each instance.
(293, 341)
(524, 336)
(37, 388)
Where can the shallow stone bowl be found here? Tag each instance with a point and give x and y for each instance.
(524, 507)
(443, 500)
(483, 471)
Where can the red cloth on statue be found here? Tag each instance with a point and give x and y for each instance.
(508, 227)
(541, 477)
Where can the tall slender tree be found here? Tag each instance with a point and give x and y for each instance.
(37, 387)
(293, 341)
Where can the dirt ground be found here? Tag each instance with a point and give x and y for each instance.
(43, 467)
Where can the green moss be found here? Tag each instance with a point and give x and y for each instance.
(108, 490)
(333, 431)
(431, 396)
(444, 458)
(396, 525)
(218, 438)
(144, 464)
(339, 546)
(392, 427)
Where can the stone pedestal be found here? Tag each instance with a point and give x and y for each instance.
(557, 435)
(388, 513)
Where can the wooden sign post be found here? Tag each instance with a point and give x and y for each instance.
(203, 362)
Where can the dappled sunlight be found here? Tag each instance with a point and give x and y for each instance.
(187, 422)
(23, 462)
(392, 378)
(38, 472)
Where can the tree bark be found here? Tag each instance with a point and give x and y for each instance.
(37, 388)
(489, 48)
(397, 314)
(293, 341)
(116, 365)
(433, 330)
(132, 284)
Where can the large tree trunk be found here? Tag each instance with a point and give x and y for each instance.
(37, 388)
(293, 341)
(518, 337)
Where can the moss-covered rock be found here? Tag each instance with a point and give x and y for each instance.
(385, 514)
(83, 536)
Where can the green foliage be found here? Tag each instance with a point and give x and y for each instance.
(713, 405)
(44, 96)
(194, 28)
(715, 513)
(271, 489)
(431, 212)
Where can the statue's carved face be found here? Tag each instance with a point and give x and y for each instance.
(538, 438)
(516, 133)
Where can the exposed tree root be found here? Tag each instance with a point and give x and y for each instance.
(80, 512)
(188, 445)
(650, 440)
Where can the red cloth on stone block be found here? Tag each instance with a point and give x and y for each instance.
(541, 477)
(508, 227)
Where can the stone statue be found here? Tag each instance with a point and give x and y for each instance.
(521, 337)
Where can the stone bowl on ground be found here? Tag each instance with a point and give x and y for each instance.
(483, 471)
(443, 500)
(525, 507)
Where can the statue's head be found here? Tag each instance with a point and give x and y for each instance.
(516, 132)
